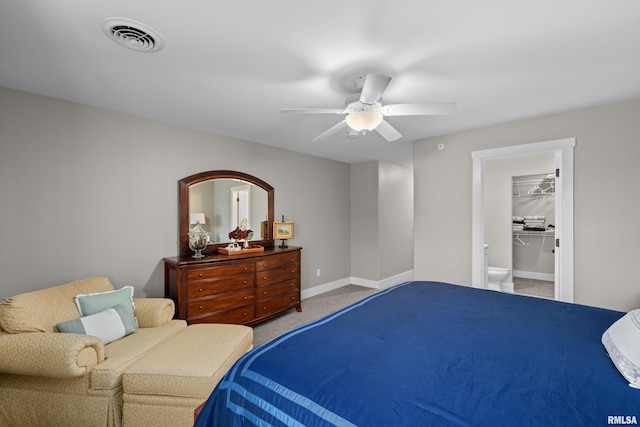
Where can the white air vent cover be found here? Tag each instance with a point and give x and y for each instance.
(132, 34)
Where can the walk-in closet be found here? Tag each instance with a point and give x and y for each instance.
(533, 228)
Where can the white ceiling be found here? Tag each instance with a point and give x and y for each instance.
(230, 67)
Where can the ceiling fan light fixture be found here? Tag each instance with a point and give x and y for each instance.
(364, 120)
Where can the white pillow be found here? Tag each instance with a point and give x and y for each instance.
(108, 325)
(622, 341)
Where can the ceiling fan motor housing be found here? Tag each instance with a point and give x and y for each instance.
(353, 104)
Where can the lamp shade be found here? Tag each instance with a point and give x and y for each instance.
(364, 120)
(195, 218)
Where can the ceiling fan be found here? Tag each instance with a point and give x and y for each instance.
(365, 112)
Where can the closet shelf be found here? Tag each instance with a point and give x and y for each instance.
(548, 232)
(519, 234)
(539, 187)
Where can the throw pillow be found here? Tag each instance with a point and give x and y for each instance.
(93, 303)
(108, 325)
(622, 341)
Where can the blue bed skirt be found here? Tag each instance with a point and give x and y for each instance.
(431, 354)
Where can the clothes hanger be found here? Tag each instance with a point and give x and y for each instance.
(551, 188)
(518, 241)
(536, 189)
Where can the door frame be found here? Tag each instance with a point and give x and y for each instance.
(563, 151)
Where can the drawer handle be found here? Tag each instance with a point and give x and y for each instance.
(293, 298)
(244, 282)
(200, 275)
(264, 278)
(200, 308)
(244, 314)
(264, 308)
(245, 269)
(200, 290)
(264, 292)
(245, 297)
(293, 284)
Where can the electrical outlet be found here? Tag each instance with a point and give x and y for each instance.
(318, 272)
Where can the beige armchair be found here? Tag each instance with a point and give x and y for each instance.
(69, 379)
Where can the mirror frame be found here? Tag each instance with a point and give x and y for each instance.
(183, 207)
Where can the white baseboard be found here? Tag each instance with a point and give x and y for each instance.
(381, 284)
(507, 287)
(534, 275)
(326, 287)
(385, 283)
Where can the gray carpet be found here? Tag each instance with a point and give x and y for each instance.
(312, 308)
(532, 287)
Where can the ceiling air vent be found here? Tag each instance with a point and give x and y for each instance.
(132, 34)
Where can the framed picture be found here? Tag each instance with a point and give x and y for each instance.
(283, 230)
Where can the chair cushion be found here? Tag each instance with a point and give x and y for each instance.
(40, 311)
(189, 364)
(121, 353)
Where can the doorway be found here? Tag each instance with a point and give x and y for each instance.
(562, 151)
(533, 234)
(240, 207)
(513, 202)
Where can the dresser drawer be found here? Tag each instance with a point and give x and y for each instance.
(274, 305)
(277, 261)
(237, 316)
(272, 276)
(222, 302)
(247, 289)
(198, 274)
(218, 286)
(272, 291)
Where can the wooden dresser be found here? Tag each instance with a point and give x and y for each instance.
(243, 289)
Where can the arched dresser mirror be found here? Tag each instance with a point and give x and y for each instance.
(220, 200)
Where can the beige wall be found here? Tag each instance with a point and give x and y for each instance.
(396, 221)
(605, 209)
(85, 191)
(364, 220)
(381, 220)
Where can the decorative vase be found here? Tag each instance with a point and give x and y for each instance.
(246, 244)
(198, 239)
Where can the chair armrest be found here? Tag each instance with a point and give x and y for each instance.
(152, 312)
(48, 354)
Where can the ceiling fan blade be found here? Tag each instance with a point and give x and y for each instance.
(333, 129)
(374, 85)
(387, 131)
(433, 108)
(313, 111)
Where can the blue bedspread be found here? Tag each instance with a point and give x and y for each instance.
(431, 354)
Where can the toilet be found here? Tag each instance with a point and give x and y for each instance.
(495, 277)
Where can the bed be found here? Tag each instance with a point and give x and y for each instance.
(432, 354)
